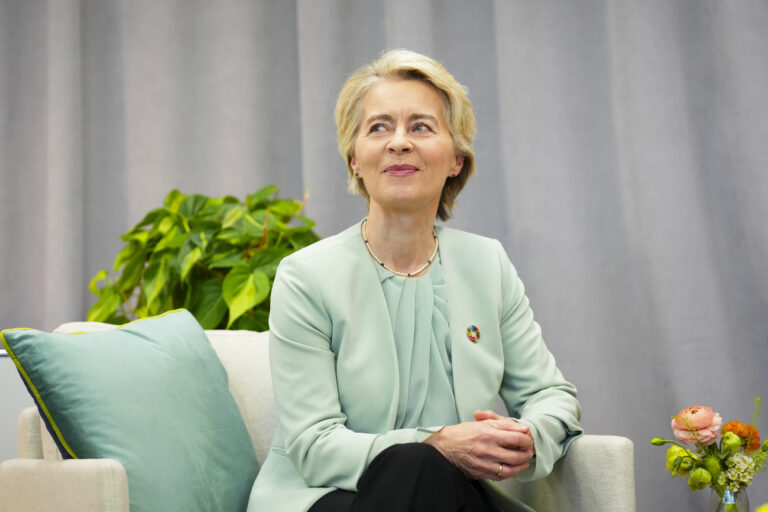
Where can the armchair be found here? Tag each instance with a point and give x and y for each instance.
(597, 474)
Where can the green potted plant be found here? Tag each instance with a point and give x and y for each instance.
(216, 257)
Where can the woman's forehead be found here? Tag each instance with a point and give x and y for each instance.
(397, 98)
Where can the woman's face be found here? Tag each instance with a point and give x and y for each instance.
(404, 151)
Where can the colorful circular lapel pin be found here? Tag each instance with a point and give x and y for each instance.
(473, 333)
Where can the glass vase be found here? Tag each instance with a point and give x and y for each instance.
(739, 499)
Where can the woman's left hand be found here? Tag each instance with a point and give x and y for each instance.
(493, 447)
(505, 423)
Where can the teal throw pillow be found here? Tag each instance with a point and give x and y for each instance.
(151, 394)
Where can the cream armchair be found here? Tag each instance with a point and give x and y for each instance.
(596, 475)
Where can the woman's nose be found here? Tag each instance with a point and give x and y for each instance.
(399, 143)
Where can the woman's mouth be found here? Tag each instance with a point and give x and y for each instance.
(400, 170)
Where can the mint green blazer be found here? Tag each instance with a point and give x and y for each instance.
(332, 355)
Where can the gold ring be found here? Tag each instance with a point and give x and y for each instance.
(501, 469)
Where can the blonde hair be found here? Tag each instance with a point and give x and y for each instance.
(407, 65)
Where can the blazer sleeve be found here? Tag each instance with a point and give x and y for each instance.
(533, 388)
(313, 426)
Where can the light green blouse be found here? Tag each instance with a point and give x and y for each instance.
(419, 314)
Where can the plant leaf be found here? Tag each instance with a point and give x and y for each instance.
(192, 204)
(100, 275)
(132, 271)
(303, 239)
(214, 255)
(172, 240)
(233, 215)
(150, 218)
(108, 303)
(172, 200)
(242, 290)
(207, 304)
(262, 284)
(236, 237)
(188, 260)
(140, 237)
(233, 259)
(286, 208)
(267, 260)
(166, 224)
(260, 198)
(155, 278)
(252, 226)
(258, 321)
(125, 254)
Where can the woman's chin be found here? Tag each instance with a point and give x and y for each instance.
(407, 203)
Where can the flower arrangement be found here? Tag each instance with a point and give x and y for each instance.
(728, 466)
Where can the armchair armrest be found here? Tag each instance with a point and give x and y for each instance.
(28, 434)
(597, 474)
(80, 485)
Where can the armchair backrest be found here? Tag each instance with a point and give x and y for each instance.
(245, 356)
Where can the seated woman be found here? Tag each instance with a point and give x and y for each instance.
(390, 341)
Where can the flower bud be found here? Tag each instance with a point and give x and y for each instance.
(685, 466)
(714, 466)
(731, 442)
(699, 479)
(657, 441)
(672, 454)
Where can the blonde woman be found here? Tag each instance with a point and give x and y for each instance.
(390, 341)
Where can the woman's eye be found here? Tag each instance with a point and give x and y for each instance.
(378, 127)
(421, 127)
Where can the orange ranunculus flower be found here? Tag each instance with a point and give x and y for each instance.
(747, 432)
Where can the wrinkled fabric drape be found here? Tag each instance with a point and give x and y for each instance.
(620, 158)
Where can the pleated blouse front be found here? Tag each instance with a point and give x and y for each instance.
(418, 312)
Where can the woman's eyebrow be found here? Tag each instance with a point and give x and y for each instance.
(379, 117)
(389, 118)
(428, 117)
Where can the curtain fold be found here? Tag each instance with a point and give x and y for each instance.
(620, 156)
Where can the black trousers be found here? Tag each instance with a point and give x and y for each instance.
(412, 477)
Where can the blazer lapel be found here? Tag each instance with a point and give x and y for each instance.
(364, 342)
(477, 365)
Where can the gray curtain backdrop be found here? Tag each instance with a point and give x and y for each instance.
(621, 161)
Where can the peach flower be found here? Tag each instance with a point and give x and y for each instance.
(747, 432)
(697, 424)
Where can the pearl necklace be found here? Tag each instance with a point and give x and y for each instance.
(364, 233)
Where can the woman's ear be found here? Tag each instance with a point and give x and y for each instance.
(459, 164)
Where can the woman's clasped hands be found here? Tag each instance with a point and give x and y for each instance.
(494, 447)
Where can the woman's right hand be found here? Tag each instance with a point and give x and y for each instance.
(481, 447)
